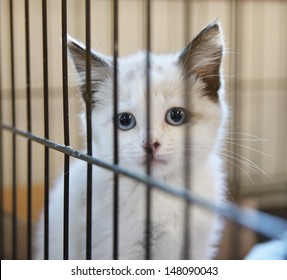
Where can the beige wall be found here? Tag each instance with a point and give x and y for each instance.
(260, 54)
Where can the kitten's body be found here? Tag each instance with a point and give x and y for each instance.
(197, 66)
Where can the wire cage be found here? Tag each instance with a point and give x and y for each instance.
(39, 106)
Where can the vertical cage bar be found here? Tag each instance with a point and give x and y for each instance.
(116, 156)
(66, 129)
(14, 151)
(284, 133)
(233, 176)
(235, 103)
(148, 137)
(46, 128)
(89, 130)
(260, 87)
(281, 141)
(187, 152)
(29, 128)
(1, 159)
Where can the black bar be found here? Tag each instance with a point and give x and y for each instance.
(281, 141)
(236, 104)
(29, 127)
(89, 131)
(116, 156)
(66, 129)
(187, 152)
(148, 110)
(233, 174)
(14, 151)
(1, 163)
(46, 129)
(283, 150)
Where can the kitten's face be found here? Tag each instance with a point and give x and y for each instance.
(193, 71)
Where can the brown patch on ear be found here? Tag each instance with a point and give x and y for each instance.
(100, 68)
(202, 58)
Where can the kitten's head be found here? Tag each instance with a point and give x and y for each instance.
(185, 97)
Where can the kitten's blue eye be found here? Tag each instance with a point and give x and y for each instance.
(126, 121)
(175, 116)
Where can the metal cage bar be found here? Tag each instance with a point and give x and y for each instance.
(29, 129)
(187, 138)
(1, 162)
(89, 128)
(66, 130)
(282, 151)
(235, 14)
(14, 146)
(46, 128)
(116, 148)
(148, 136)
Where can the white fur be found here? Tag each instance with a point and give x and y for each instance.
(206, 169)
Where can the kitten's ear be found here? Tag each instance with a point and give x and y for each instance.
(100, 67)
(202, 58)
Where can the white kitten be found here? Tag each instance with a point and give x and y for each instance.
(196, 71)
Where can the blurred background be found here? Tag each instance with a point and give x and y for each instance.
(255, 68)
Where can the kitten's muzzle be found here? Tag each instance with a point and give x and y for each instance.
(151, 149)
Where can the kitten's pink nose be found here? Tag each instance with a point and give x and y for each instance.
(151, 148)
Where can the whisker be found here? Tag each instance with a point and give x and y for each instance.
(245, 172)
(171, 33)
(246, 147)
(224, 76)
(227, 52)
(240, 160)
(230, 194)
(96, 43)
(191, 160)
(243, 133)
(247, 161)
(250, 164)
(246, 139)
